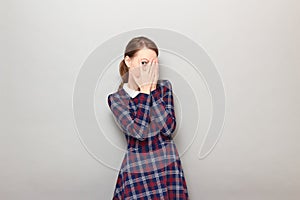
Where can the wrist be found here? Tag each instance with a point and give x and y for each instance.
(145, 89)
(153, 87)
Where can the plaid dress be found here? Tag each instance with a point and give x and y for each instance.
(151, 167)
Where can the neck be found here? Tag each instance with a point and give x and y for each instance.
(132, 84)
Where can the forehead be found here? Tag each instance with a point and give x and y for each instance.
(145, 53)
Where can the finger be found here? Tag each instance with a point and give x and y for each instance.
(152, 77)
(155, 74)
(149, 66)
(148, 73)
(156, 70)
(153, 68)
(155, 65)
(151, 72)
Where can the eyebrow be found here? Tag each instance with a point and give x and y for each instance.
(145, 58)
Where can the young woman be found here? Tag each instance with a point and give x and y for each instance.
(143, 108)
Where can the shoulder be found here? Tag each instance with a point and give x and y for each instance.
(164, 83)
(117, 96)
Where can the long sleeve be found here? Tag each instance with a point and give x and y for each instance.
(133, 125)
(162, 110)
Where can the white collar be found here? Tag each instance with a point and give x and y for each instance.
(130, 91)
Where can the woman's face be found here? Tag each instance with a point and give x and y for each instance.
(142, 57)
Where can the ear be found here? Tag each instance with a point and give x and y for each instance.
(127, 61)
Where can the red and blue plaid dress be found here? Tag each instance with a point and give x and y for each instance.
(151, 168)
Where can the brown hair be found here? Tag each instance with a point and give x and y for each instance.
(133, 46)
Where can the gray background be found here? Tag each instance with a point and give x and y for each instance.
(254, 45)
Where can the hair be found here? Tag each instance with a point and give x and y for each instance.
(133, 46)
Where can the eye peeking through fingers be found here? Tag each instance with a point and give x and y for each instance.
(144, 62)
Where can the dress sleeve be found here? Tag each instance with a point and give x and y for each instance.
(162, 112)
(133, 125)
